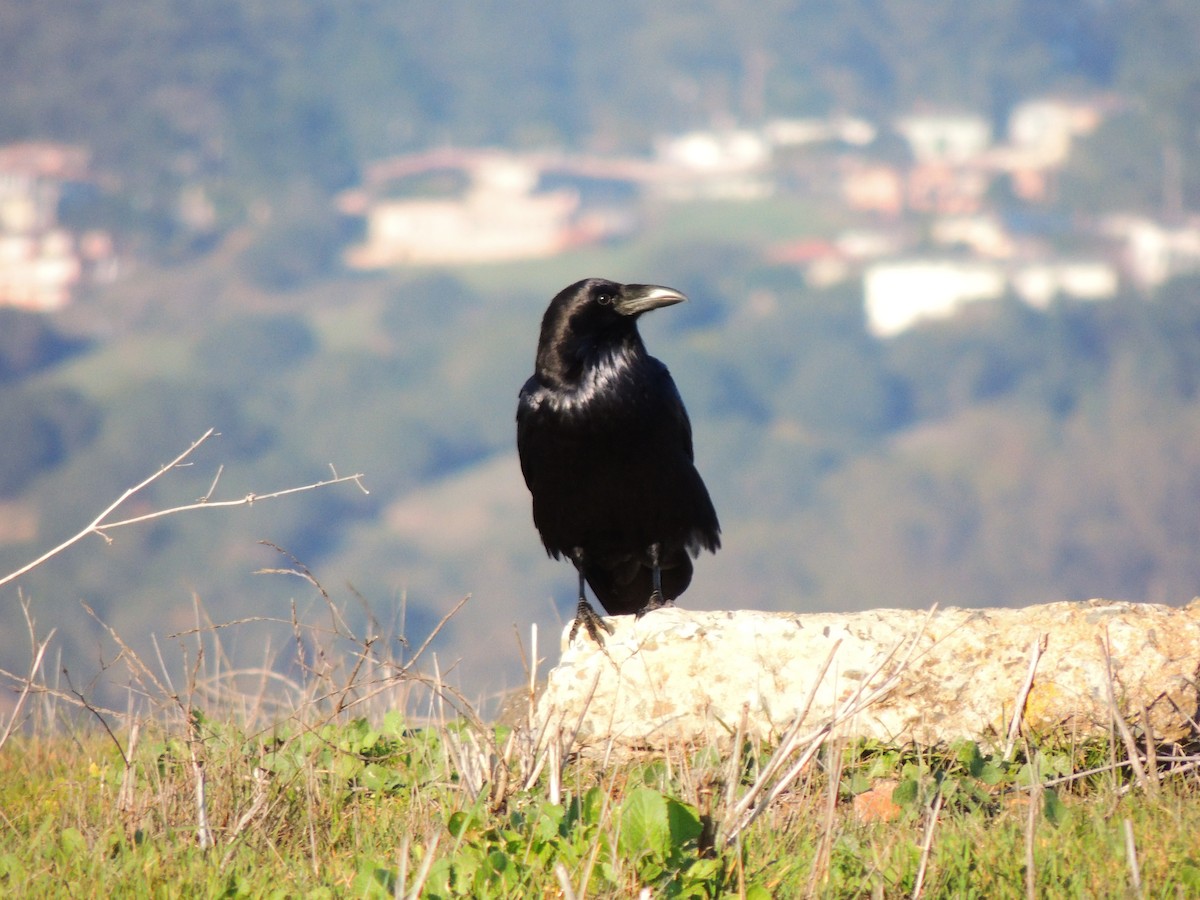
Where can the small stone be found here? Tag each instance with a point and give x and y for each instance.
(876, 805)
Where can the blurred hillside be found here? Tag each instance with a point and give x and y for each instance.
(1007, 455)
(206, 116)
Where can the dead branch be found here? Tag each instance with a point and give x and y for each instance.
(100, 525)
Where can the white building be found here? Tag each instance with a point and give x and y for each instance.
(900, 293)
(946, 139)
(1038, 284)
(801, 132)
(985, 235)
(1155, 253)
(500, 217)
(40, 263)
(725, 165)
(38, 272)
(1042, 130)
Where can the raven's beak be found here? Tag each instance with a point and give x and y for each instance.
(639, 298)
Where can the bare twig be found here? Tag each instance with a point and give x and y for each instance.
(1135, 872)
(553, 749)
(735, 757)
(1151, 753)
(821, 860)
(739, 816)
(564, 881)
(248, 500)
(750, 806)
(258, 806)
(426, 865)
(100, 526)
(1176, 765)
(125, 796)
(927, 845)
(203, 832)
(1036, 649)
(401, 886)
(412, 661)
(1131, 748)
(1035, 802)
(39, 651)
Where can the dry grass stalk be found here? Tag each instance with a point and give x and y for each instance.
(806, 743)
(554, 743)
(927, 845)
(1035, 802)
(820, 867)
(38, 653)
(1131, 748)
(430, 855)
(1036, 649)
(1135, 871)
(564, 881)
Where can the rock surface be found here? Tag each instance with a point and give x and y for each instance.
(677, 677)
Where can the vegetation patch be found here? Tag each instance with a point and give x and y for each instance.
(359, 775)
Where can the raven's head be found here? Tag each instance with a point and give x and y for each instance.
(596, 316)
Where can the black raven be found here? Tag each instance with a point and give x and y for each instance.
(606, 451)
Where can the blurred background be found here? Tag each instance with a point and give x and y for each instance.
(943, 342)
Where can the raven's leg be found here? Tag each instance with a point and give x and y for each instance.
(584, 614)
(656, 601)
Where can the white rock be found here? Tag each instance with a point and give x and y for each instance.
(679, 677)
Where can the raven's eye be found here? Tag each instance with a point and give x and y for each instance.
(606, 299)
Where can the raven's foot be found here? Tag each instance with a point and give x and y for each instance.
(656, 601)
(590, 620)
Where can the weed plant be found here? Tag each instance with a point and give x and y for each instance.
(359, 775)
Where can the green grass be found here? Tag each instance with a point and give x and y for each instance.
(351, 809)
(357, 776)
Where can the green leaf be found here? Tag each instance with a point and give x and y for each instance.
(461, 822)
(906, 792)
(380, 778)
(991, 774)
(683, 823)
(72, 841)
(549, 822)
(591, 808)
(374, 880)
(368, 741)
(498, 861)
(857, 783)
(1055, 811)
(704, 869)
(967, 753)
(1188, 875)
(393, 723)
(347, 767)
(644, 825)
(11, 869)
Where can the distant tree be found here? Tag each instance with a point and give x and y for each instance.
(255, 347)
(416, 302)
(156, 416)
(294, 252)
(845, 393)
(41, 429)
(1049, 359)
(1175, 311)
(29, 342)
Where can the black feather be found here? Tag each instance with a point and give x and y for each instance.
(606, 449)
